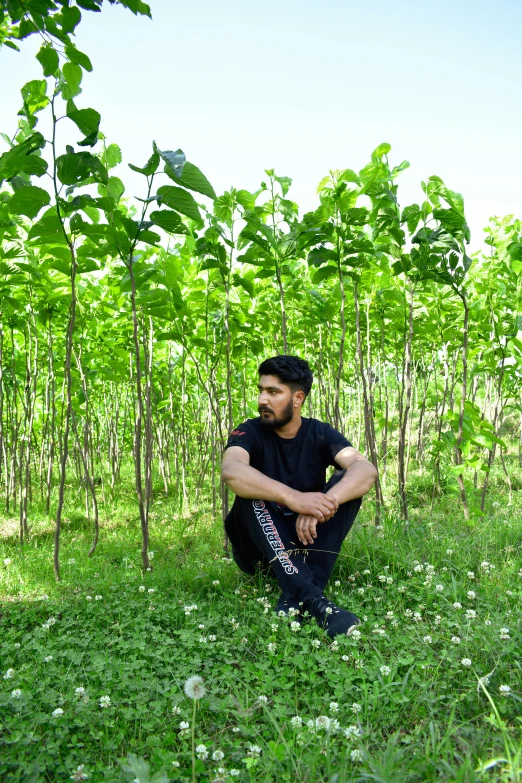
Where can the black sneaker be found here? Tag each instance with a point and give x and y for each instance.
(332, 618)
(288, 607)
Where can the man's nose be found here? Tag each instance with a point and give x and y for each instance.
(262, 399)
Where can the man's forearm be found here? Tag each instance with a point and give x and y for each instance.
(356, 482)
(247, 482)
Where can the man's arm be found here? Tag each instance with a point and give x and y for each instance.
(247, 482)
(359, 478)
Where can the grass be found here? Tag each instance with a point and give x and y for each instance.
(396, 704)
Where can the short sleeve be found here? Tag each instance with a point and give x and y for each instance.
(243, 436)
(334, 442)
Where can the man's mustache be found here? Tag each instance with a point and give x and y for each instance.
(264, 410)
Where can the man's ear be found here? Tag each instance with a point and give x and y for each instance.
(299, 398)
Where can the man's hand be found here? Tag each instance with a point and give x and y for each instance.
(313, 504)
(305, 528)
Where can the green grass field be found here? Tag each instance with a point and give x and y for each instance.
(93, 667)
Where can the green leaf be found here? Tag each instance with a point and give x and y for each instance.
(73, 77)
(380, 151)
(150, 167)
(88, 121)
(71, 16)
(79, 58)
(48, 59)
(19, 160)
(193, 179)
(72, 168)
(168, 221)
(180, 200)
(48, 226)
(137, 7)
(29, 201)
(115, 188)
(34, 96)
(324, 273)
(176, 160)
(11, 45)
(112, 156)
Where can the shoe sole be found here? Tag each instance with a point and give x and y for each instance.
(351, 629)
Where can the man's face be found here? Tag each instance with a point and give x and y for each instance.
(275, 402)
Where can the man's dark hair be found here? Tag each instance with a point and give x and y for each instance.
(291, 370)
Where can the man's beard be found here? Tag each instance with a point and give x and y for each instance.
(275, 423)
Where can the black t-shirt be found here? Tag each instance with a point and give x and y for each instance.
(300, 462)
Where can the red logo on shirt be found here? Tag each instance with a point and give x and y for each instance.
(237, 432)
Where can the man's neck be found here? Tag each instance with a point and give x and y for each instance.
(291, 429)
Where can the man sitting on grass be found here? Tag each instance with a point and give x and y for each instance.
(276, 466)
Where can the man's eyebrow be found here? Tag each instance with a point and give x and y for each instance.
(269, 388)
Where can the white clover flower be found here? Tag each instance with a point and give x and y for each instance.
(438, 619)
(201, 626)
(274, 627)
(457, 605)
(212, 637)
(504, 690)
(57, 712)
(315, 643)
(194, 687)
(215, 582)
(356, 707)
(293, 612)
(150, 555)
(389, 615)
(263, 699)
(184, 725)
(234, 773)
(7, 561)
(356, 755)
(485, 564)
(418, 568)
(334, 707)
(218, 755)
(389, 580)
(79, 691)
(345, 657)
(337, 583)
(334, 645)
(355, 634)
(203, 640)
(428, 639)
(366, 571)
(328, 610)
(17, 645)
(174, 764)
(351, 732)
(471, 595)
(466, 661)
(48, 658)
(505, 636)
(236, 729)
(471, 614)
(455, 639)
(141, 589)
(439, 588)
(16, 694)
(322, 723)
(151, 590)
(79, 773)
(88, 597)
(408, 613)
(9, 675)
(449, 551)
(254, 750)
(295, 626)
(385, 670)
(487, 622)
(471, 575)
(271, 647)
(417, 616)
(381, 578)
(201, 752)
(361, 590)
(509, 592)
(296, 722)
(105, 701)
(496, 504)
(176, 710)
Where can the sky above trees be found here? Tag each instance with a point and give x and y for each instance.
(305, 87)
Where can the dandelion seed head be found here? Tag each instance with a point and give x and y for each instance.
(194, 687)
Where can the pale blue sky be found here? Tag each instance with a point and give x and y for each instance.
(307, 86)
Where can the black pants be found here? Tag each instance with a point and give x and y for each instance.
(262, 535)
